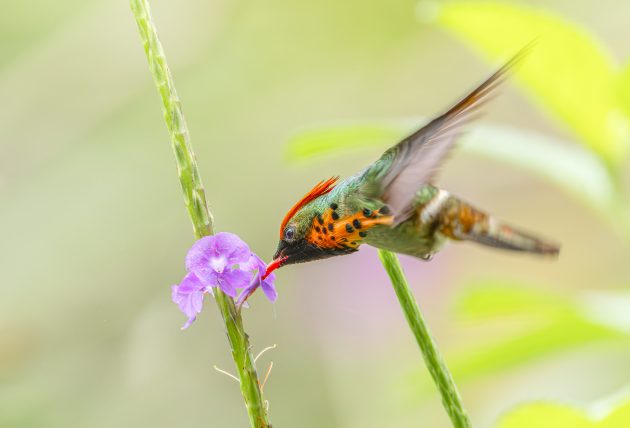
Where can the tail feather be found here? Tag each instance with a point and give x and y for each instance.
(508, 238)
(461, 221)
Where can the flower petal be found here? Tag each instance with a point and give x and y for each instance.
(188, 323)
(257, 264)
(248, 291)
(237, 278)
(216, 252)
(251, 264)
(208, 277)
(199, 254)
(242, 298)
(190, 283)
(188, 295)
(268, 286)
(227, 288)
(270, 290)
(232, 247)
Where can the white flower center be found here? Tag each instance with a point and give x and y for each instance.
(218, 264)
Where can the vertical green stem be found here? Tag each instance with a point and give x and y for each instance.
(195, 200)
(439, 372)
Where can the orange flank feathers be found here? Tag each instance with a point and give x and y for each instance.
(320, 189)
(331, 231)
(462, 219)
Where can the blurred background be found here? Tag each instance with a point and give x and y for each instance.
(94, 231)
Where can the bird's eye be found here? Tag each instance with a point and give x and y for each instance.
(289, 233)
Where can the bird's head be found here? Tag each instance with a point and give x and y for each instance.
(296, 243)
(315, 229)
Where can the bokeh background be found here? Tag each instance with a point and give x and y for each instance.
(94, 231)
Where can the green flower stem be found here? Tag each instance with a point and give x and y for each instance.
(439, 372)
(195, 200)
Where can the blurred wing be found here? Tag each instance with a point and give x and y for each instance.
(415, 160)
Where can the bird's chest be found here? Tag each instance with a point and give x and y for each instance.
(342, 225)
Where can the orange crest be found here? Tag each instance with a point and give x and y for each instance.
(320, 189)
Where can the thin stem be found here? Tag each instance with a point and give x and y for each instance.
(195, 200)
(439, 372)
(190, 180)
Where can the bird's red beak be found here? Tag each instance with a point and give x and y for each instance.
(275, 264)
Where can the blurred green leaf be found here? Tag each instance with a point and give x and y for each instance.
(490, 300)
(344, 137)
(568, 72)
(545, 323)
(576, 171)
(543, 415)
(514, 325)
(618, 418)
(550, 415)
(623, 90)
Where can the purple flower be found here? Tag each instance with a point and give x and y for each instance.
(215, 260)
(189, 297)
(256, 263)
(222, 260)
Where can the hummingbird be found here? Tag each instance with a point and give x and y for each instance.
(394, 205)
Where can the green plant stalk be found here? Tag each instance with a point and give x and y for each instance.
(195, 200)
(437, 368)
